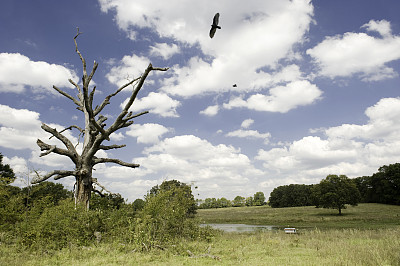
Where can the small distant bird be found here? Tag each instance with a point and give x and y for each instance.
(214, 26)
(234, 85)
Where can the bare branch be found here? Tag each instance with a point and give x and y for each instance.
(76, 86)
(103, 147)
(58, 175)
(53, 148)
(106, 101)
(120, 119)
(110, 160)
(62, 138)
(70, 128)
(79, 53)
(68, 96)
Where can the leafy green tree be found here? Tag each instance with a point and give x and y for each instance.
(239, 201)
(293, 195)
(138, 204)
(7, 175)
(386, 184)
(259, 199)
(335, 192)
(223, 203)
(165, 217)
(106, 201)
(171, 185)
(249, 201)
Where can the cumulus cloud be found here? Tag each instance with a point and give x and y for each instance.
(249, 134)
(247, 123)
(128, 68)
(349, 149)
(14, 125)
(210, 110)
(147, 133)
(280, 99)
(164, 50)
(381, 26)
(227, 168)
(18, 73)
(157, 103)
(255, 34)
(358, 53)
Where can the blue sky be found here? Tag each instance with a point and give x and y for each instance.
(317, 89)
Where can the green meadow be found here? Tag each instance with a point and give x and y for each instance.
(368, 234)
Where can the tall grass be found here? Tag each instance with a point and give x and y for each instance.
(312, 247)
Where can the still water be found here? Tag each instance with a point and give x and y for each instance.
(242, 227)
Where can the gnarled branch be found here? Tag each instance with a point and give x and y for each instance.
(67, 95)
(104, 147)
(53, 148)
(61, 137)
(106, 101)
(117, 161)
(57, 173)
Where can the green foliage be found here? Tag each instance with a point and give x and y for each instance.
(106, 202)
(258, 199)
(165, 218)
(335, 192)
(61, 226)
(249, 201)
(138, 204)
(291, 196)
(7, 175)
(172, 185)
(239, 201)
(381, 187)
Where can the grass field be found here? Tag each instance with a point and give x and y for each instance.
(363, 216)
(365, 235)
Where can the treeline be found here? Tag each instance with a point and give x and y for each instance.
(381, 187)
(258, 199)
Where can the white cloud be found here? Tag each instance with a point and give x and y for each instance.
(281, 99)
(191, 159)
(249, 134)
(164, 50)
(358, 53)
(147, 133)
(247, 123)
(18, 73)
(16, 123)
(381, 26)
(349, 149)
(210, 110)
(254, 35)
(128, 68)
(157, 103)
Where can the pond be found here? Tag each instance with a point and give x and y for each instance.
(239, 228)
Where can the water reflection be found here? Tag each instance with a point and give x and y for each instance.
(242, 227)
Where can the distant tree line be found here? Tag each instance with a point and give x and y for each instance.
(336, 191)
(258, 199)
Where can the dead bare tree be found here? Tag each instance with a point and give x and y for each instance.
(94, 132)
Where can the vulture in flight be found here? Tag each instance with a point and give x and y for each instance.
(214, 25)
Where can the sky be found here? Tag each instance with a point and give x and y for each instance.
(316, 89)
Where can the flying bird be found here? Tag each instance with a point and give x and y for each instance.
(234, 85)
(214, 26)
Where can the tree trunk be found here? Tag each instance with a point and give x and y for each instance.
(340, 211)
(83, 189)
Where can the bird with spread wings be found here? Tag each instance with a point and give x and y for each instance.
(214, 25)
